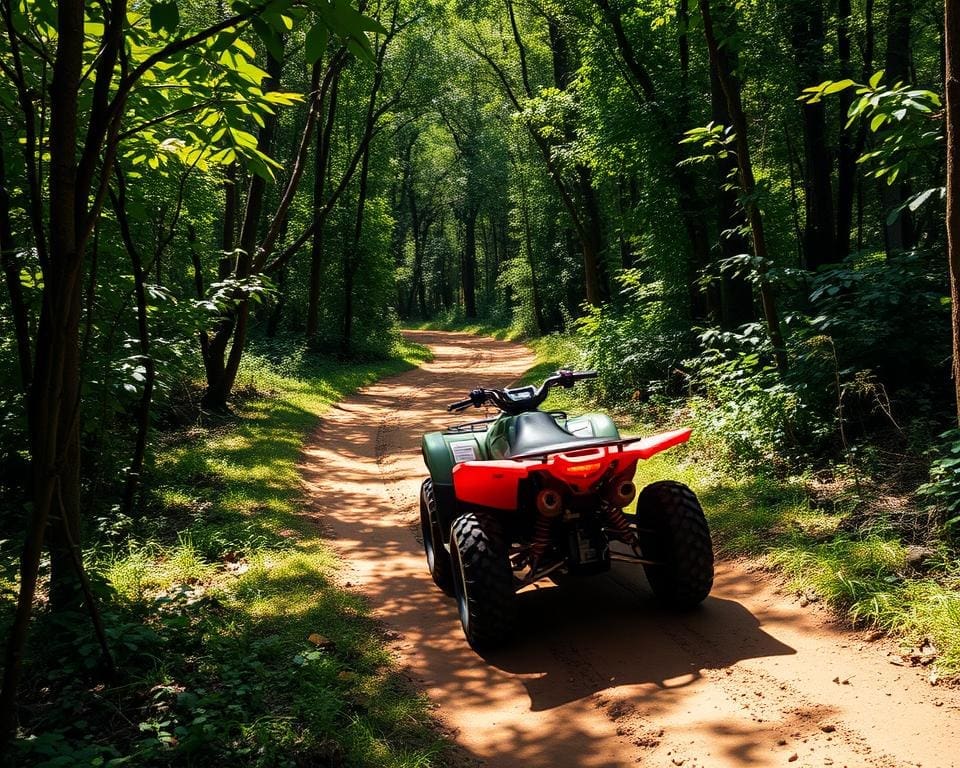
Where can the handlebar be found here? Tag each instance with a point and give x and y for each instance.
(521, 399)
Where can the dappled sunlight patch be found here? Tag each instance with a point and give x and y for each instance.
(150, 568)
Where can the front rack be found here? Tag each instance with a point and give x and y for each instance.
(470, 426)
(483, 424)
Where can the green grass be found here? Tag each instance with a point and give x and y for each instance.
(235, 642)
(476, 327)
(864, 578)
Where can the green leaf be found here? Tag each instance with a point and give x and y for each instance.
(875, 80)
(165, 15)
(316, 42)
(922, 197)
(839, 85)
(271, 40)
(878, 120)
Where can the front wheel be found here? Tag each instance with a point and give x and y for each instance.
(482, 580)
(438, 561)
(673, 532)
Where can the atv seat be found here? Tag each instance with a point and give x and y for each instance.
(537, 433)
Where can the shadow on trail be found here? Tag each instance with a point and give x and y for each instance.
(613, 633)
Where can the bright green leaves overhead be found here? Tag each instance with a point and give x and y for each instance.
(202, 109)
(347, 23)
(906, 120)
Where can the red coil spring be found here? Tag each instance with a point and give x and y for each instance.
(619, 526)
(541, 539)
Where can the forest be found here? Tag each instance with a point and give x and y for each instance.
(739, 211)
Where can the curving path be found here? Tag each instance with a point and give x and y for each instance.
(600, 677)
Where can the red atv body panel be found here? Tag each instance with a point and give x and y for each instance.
(495, 483)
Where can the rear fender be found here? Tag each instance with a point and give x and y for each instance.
(496, 483)
(490, 483)
(651, 446)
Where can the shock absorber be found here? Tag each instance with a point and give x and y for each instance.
(618, 527)
(541, 540)
(549, 505)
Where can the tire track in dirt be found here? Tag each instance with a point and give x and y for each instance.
(599, 675)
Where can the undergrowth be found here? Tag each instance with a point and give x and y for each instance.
(232, 641)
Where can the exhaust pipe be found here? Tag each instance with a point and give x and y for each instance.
(622, 493)
(549, 503)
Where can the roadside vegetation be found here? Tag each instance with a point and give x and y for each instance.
(232, 638)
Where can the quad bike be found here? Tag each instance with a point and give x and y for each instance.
(531, 494)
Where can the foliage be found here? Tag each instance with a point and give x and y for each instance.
(213, 603)
(637, 350)
(943, 489)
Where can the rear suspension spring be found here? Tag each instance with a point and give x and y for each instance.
(618, 526)
(541, 539)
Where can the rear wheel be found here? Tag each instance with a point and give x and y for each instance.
(438, 560)
(482, 580)
(673, 531)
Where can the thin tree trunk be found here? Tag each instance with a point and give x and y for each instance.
(731, 90)
(531, 260)
(846, 153)
(807, 37)
(143, 339)
(320, 211)
(897, 68)
(222, 366)
(468, 266)
(951, 26)
(353, 256)
(10, 264)
(736, 293)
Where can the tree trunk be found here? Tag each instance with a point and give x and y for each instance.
(143, 335)
(10, 263)
(320, 211)
(731, 90)
(951, 26)
(689, 201)
(352, 257)
(897, 68)
(468, 266)
(807, 37)
(736, 293)
(222, 366)
(846, 152)
(528, 243)
(54, 391)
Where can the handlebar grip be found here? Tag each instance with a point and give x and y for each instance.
(478, 398)
(567, 378)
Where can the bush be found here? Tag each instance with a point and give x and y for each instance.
(636, 350)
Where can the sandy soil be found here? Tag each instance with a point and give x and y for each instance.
(599, 676)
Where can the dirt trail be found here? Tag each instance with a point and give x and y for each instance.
(600, 677)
